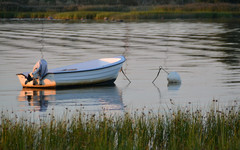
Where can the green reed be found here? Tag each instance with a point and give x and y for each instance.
(172, 129)
(188, 11)
(25, 14)
(76, 15)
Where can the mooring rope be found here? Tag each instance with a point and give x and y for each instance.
(126, 42)
(42, 43)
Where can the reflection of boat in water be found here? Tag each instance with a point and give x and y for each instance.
(36, 98)
(91, 98)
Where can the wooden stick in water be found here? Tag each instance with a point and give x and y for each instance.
(160, 68)
(164, 70)
(125, 75)
(157, 74)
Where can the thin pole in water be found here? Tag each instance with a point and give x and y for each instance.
(157, 74)
(164, 70)
(160, 68)
(125, 75)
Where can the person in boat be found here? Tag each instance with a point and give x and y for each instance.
(39, 71)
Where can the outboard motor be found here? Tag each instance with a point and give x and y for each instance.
(39, 71)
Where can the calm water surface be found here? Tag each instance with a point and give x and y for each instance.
(205, 54)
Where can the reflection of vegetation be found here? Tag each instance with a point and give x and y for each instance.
(231, 44)
(180, 129)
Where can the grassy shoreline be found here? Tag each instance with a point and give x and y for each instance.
(176, 129)
(188, 11)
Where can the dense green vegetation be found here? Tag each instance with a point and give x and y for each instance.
(74, 5)
(179, 129)
(119, 9)
(188, 11)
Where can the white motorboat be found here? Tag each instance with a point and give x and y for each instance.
(100, 71)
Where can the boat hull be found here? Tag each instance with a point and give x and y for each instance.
(80, 78)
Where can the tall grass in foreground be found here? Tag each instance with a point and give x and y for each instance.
(179, 129)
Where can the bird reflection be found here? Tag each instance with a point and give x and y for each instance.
(107, 98)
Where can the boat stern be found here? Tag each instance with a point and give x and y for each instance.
(22, 78)
(47, 82)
